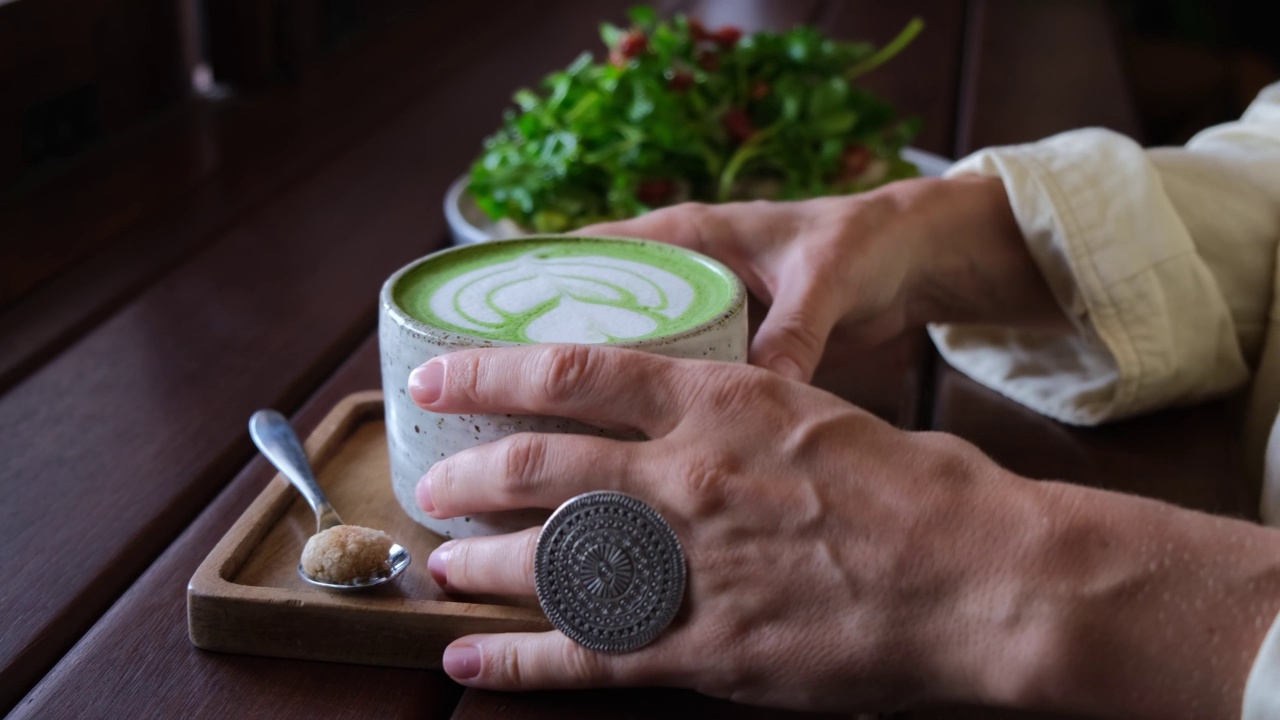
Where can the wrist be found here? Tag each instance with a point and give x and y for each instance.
(975, 266)
(1125, 607)
(987, 637)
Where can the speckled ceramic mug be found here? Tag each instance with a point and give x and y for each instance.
(630, 293)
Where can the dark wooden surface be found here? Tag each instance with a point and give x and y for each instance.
(137, 662)
(149, 202)
(631, 704)
(1034, 69)
(116, 61)
(228, 258)
(127, 433)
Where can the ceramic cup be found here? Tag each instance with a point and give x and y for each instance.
(417, 438)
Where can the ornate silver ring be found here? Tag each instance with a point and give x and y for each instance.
(609, 571)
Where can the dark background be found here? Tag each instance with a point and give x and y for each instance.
(197, 207)
(77, 76)
(1194, 63)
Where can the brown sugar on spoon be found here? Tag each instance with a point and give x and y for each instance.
(344, 554)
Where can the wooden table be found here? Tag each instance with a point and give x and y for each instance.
(229, 258)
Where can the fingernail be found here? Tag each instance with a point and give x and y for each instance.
(462, 662)
(426, 382)
(423, 494)
(787, 368)
(437, 561)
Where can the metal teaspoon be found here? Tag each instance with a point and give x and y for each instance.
(274, 436)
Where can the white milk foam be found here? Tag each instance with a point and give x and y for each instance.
(600, 298)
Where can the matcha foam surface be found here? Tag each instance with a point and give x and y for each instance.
(579, 290)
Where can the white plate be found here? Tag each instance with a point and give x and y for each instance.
(469, 225)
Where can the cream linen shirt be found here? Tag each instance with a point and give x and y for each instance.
(1165, 261)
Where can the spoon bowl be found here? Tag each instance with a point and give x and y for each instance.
(397, 561)
(274, 436)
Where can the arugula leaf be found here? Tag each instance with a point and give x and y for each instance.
(680, 112)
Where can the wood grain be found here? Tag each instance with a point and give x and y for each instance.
(87, 242)
(1038, 68)
(247, 598)
(127, 434)
(617, 705)
(138, 662)
(1190, 456)
(124, 52)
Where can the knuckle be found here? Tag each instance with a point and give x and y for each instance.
(566, 370)
(458, 564)
(524, 459)
(824, 252)
(724, 389)
(949, 457)
(798, 328)
(727, 391)
(839, 219)
(827, 260)
(440, 477)
(813, 430)
(470, 379)
(528, 550)
(707, 481)
(510, 666)
(692, 211)
(701, 217)
(582, 666)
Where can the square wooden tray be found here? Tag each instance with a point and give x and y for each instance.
(246, 597)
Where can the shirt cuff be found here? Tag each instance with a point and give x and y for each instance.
(1150, 327)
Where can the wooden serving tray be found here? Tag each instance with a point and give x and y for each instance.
(246, 597)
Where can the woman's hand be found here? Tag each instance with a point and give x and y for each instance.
(868, 267)
(835, 562)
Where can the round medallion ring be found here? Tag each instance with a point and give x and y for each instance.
(609, 572)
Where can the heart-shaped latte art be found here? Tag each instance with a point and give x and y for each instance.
(586, 299)
(578, 322)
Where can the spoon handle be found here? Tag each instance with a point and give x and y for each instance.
(274, 436)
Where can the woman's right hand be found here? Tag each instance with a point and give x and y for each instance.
(864, 268)
(836, 562)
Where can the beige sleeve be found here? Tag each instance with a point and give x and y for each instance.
(1163, 259)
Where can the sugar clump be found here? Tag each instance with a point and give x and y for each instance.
(346, 553)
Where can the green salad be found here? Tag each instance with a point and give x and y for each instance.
(680, 112)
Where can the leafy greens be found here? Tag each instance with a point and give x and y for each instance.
(680, 112)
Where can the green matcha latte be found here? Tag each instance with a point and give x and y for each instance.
(581, 290)
(642, 295)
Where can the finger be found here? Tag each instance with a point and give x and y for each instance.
(739, 235)
(537, 661)
(526, 470)
(794, 333)
(597, 384)
(675, 225)
(495, 564)
(693, 225)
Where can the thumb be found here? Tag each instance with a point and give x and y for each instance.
(794, 333)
